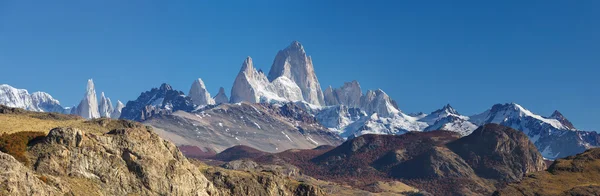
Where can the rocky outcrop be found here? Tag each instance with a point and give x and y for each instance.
(230, 182)
(498, 152)
(573, 175)
(19, 180)
(293, 63)
(158, 101)
(88, 107)
(199, 95)
(221, 97)
(124, 161)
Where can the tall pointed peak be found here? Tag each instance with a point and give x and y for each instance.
(90, 84)
(556, 114)
(559, 116)
(247, 65)
(199, 82)
(165, 87)
(222, 90)
(102, 95)
(296, 45)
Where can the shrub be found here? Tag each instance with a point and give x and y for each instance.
(15, 144)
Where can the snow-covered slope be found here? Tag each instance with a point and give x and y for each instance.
(448, 119)
(199, 95)
(20, 98)
(293, 63)
(553, 138)
(267, 127)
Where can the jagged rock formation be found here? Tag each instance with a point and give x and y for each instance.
(221, 97)
(20, 98)
(293, 63)
(158, 101)
(131, 160)
(117, 111)
(199, 95)
(349, 95)
(253, 86)
(267, 127)
(105, 107)
(88, 107)
(378, 102)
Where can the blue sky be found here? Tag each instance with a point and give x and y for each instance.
(543, 55)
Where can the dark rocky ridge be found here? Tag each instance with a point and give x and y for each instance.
(158, 101)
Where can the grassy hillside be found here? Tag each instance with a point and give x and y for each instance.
(574, 175)
(18, 120)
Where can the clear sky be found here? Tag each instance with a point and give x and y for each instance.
(544, 55)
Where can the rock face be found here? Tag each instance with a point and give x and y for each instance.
(267, 127)
(20, 98)
(158, 101)
(293, 63)
(254, 87)
(221, 97)
(105, 108)
(117, 111)
(378, 102)
(349, 95)
(19, 180)
(199, 95)
(498, 152)
(88, 107)
(124, 161)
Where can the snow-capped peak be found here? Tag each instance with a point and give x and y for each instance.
(105, 106)
(293, 63)
(20, 98)
(558, 116)
(88, 107)
(502, 112)
(199, 95)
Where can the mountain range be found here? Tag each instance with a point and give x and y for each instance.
(290, 95)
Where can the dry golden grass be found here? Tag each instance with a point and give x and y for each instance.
(12, 123)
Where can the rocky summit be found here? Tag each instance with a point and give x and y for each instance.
(158, 101)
